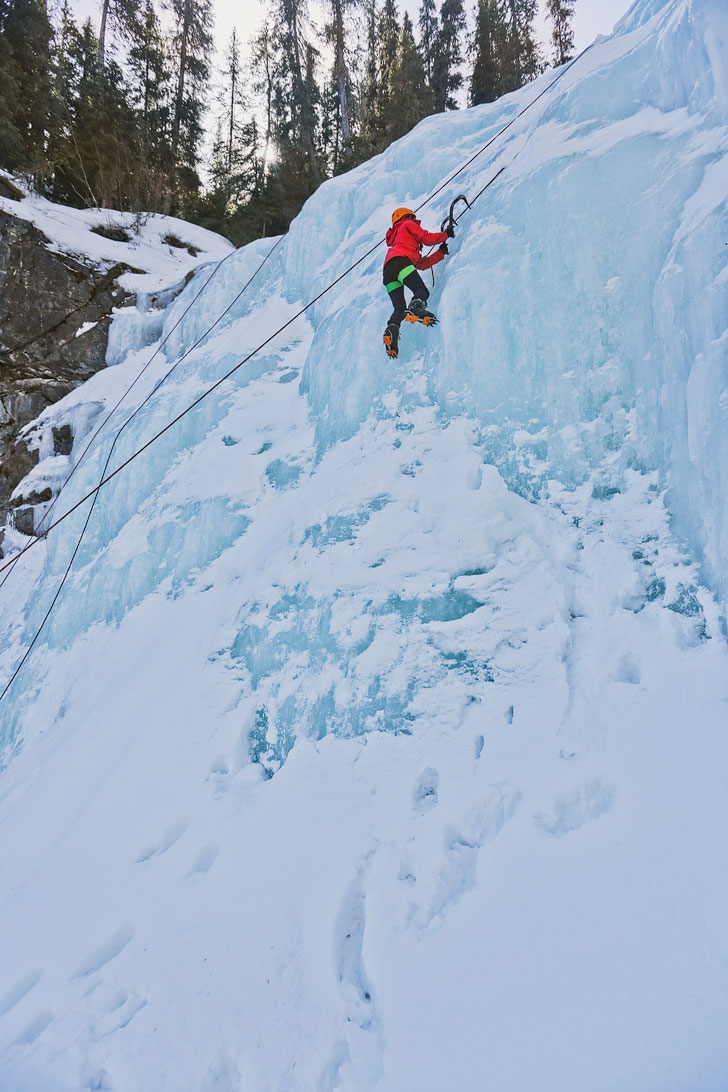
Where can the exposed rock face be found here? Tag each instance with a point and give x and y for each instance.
(55, 313)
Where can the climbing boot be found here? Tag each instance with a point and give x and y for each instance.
(391, 339)
(417, 312)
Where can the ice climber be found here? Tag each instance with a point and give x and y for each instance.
(405, 240)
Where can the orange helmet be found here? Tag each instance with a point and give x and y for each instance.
(398, 214)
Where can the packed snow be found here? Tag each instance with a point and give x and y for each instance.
(378, 738)
(157, 249)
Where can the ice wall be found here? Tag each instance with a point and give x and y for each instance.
(583, 321)
(336, 747)
(583, 317)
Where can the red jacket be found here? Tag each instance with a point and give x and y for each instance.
(406, 238)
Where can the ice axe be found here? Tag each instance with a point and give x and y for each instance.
(451, 220)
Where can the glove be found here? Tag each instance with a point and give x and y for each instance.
(443, 248)
(450, 231)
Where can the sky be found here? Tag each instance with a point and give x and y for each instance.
(591, 17)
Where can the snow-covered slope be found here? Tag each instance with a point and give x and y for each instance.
(378, 738)
(158, 249)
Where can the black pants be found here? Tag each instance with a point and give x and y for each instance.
(392, 274)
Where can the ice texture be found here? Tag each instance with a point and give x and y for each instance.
(380, 725)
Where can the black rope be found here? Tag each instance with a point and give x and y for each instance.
(488, 144)
(456, 219)
(153, 391)
(505, 129)
(481, 192)
(16, 557)
(107, 478)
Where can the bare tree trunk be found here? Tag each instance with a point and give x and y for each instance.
(231, 131)
(337, 140)
(341, 75)
(147, 69)
(102, 30)
(268, 108)
(180, 93)
(303, 96)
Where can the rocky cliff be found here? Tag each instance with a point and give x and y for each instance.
(55, 313)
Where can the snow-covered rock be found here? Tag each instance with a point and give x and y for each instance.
(377, 740)
(60, 285)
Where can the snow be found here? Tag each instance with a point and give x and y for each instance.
(153, 263)
(378, 738)
(84, 329)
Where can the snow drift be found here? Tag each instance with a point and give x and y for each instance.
(377, 740)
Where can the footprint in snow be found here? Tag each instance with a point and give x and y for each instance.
(204, 860)
(424, 797)
(224, 1075)
(34, 1029)
(629, 669)
(462, 846)
(171, 835)
(19, 991)
(356, 1060)
(99, 1082)
(106, 952)
(589, 801)
(121, 1010)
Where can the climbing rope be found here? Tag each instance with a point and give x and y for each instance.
(16, 557)
(105, 478)
(528, 106)
(451, 219)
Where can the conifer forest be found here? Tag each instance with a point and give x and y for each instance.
(133, 111)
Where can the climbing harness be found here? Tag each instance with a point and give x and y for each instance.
(105, 478)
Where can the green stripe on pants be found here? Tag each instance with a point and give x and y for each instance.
(402, 276)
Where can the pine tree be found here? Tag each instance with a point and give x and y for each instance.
(103, 148)
(94, 145)
(312, 105)
(337, 38)
(561, 12)
(389, 38)
(25, 116)
(428, 35)
(410, 94)
(489, 47)
(65, 54)
(296, 94)
(233, 94)
(263, 65)
(150, 74)
(236, 168)
(11, 143)
(149, 78)
(192, 46)
(272, 81)
(521, 61)
(296, 168)
(120, 14)
(365, 143)
(331, 134)
(446, 75)
(67, 68)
